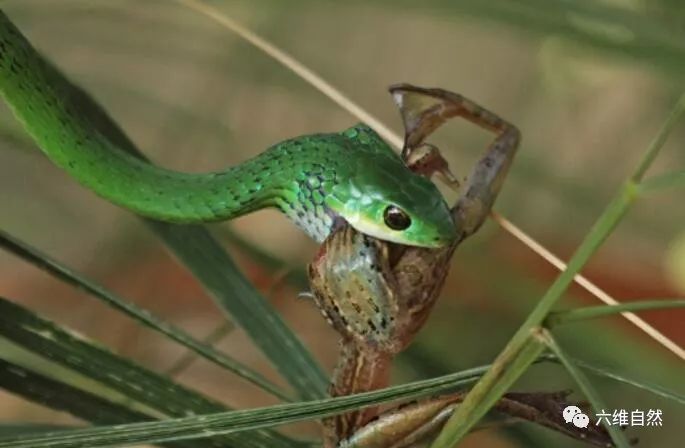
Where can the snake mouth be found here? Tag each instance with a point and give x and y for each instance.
(439, 242)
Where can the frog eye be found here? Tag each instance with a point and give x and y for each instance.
(396, 218)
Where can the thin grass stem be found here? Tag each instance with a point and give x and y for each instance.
(593, 312)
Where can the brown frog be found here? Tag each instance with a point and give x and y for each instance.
(377, 295)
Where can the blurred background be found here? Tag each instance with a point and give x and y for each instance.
(588, 84)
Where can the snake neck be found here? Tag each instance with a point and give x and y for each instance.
(296, 177)
(309, 211)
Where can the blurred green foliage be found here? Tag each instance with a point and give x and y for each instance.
(588, 82)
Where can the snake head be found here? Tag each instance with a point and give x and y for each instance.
(383, 198)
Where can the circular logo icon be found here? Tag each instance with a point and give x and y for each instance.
(581, 420)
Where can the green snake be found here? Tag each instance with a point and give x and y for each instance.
(314, 179)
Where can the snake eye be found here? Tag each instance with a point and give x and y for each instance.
(396, 218)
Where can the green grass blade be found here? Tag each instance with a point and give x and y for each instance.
(67, 275)
(57, 395)
(198, 250)
(593, 312)
(231, 422)
(63, 397)
(659, 141)
(640, 384)
(20, 429)
(617, 436)
(48, 340)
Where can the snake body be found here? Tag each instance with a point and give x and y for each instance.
(313, 179)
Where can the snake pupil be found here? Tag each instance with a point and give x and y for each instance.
(396, 218)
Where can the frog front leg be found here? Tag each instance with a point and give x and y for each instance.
(423, 110)
(420, 272)
(427, 160)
